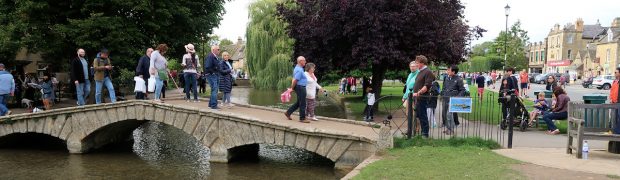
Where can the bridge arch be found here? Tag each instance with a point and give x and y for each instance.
(92, 126)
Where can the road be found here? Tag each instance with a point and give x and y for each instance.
(575, 91)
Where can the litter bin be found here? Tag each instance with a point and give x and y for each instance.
(468, 80)
(594, 98)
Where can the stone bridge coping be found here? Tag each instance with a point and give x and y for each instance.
(218, 114)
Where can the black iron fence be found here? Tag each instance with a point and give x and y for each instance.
(489, 117)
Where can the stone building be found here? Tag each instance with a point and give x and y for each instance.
(563, 45)
(237, 54)
(535, 53)
(607, 50)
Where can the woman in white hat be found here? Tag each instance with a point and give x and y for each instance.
(190, 65)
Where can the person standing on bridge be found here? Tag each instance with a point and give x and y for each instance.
(190, 65)
(80, 77)
(142, 71)
(299, 86)
(311, 88)
(212, 70)
(226, 79)
(614, 98)
(103, 75)
(422, 86)
(411, 78)
(7, 88)
(158, 67)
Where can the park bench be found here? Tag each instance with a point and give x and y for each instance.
(591, 122)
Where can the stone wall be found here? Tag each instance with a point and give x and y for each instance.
(92, 126)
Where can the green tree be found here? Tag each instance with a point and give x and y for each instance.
(269, 50)
(57, 28)
(514, 51)
(226, 42)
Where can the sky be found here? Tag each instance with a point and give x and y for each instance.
(536, 16)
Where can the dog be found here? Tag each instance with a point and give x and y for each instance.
(27, 103)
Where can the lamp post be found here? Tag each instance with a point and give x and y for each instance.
(507, 11)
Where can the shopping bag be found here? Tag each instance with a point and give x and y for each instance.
(286, 96)
(139, 86)
(151, 84)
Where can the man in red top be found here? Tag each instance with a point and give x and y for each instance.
(613, 97)
(525, 80)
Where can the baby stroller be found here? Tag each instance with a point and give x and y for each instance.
(521, 115)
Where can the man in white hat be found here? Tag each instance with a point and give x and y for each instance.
(190, 65)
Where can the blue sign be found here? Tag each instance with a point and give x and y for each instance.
(460, 105)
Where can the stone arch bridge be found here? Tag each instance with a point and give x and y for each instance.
(226, 133)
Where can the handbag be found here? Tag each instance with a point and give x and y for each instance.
(151, 84)
(286, 96)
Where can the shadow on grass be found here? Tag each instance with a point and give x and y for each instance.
(419, 141)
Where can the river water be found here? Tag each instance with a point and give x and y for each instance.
(159, 151)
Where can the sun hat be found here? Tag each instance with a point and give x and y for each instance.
(190, 48)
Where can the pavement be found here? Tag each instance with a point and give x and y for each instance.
(575, 91)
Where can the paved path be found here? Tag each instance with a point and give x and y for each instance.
(277, 116)
(575, 91)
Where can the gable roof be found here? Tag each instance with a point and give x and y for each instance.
(593, 31)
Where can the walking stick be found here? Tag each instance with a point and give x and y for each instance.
(175, 84)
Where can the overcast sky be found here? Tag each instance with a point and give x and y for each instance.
(537, 16)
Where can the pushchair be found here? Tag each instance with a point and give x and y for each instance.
(521, 116)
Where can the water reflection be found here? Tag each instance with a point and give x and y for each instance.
(160, 151)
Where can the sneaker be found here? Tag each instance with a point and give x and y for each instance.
(196, 101)
(158, 100)
(554, 132)
(231, 105)
(188, 100)
(314, 118)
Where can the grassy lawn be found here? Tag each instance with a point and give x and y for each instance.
(456, 158)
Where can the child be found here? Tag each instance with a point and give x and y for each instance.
(370, 101)
(540, 105)
(46, 89)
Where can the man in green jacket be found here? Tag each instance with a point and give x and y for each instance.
(103, 70)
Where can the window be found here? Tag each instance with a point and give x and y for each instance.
(569, 51)
(536, 56)
(570, 39)
(542, 56)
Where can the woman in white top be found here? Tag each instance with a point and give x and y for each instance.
(159, 69)
(190, 74)
(311, 88)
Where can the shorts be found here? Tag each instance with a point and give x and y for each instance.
(480, 90)
(523, 85)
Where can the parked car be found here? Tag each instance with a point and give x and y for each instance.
(542, 79)
(532, 77)
(603, 82)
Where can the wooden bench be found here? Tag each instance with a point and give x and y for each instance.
(589, 122)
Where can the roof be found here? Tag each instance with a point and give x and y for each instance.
(616, 33)
(236, 51)
(593, 31)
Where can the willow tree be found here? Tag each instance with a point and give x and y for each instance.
(269, 49)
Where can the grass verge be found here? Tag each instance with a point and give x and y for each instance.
(356, 102)
(419, 158)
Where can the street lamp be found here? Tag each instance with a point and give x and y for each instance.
(507, 11)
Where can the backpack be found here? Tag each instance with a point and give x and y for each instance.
(434, 89)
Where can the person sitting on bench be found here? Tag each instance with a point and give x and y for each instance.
(560, 111)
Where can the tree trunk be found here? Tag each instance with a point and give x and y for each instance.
(378, 74)
(365, 83)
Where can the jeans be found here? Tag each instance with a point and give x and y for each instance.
(616, 128)
(108, 85)
(4, 98)
(214, 81)
(159, 84)
(421, 115)
(226, 98)
(83, 90)
(301, 102)
(3, 110)
(448, 118)
(190, 82)
(549, 117)
(368, 110)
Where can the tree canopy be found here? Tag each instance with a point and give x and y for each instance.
(516, 40)
(57, 28)
(379, 35)
(269, 49)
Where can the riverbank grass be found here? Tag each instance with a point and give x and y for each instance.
(457, 158)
